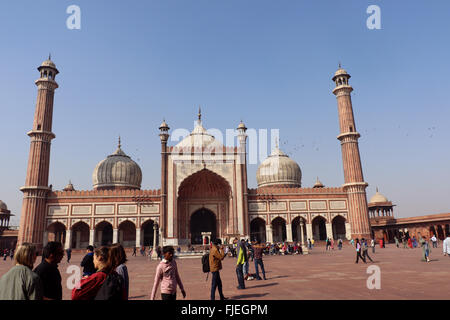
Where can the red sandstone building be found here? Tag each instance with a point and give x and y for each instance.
(203, 190)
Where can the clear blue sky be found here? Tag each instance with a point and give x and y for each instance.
(266, 62)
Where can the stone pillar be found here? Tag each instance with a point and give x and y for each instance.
(68, 239)
(154, 254)
(269, 235)
(309, 232)
(120, 236)
(91, 237)
(138, 238)
(45, 239)
(348, 231)
(78, 240)
(289, 232)
(329, 230)
(115, 235)
(302, 240)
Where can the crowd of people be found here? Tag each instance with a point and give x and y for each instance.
(105, 274)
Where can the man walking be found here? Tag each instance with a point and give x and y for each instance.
(216, 255)
(446, 246)
(258, 252)
(242, 258)
(365, 249)
(48, 271)
(88, 262)
(434, 241)
(69, 254)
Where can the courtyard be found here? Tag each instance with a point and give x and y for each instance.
(323, 275)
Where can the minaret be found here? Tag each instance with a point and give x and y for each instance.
(353, 175)
(242, 158)
(32, 220)
(164, 136)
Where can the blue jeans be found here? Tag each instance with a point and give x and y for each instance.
(216, 283)
(240, 276)
(246, 267)
(259, 262)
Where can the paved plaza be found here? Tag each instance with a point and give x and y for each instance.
(319, 275)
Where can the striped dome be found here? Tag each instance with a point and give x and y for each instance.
(117, 171)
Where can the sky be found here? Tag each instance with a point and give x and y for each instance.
(267, 63)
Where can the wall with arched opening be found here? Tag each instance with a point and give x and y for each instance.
(258, 230)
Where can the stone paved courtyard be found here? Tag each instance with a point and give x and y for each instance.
(319, 275)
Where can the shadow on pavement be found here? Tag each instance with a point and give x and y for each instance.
(243, 296)
(263, 285)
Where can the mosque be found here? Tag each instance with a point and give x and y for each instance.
(203, 192)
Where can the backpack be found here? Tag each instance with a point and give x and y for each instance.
(112, 288)
(205, 263)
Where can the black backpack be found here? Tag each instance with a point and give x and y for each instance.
(112, 288)
(205, 263)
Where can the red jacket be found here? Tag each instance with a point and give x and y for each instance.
(89, 287)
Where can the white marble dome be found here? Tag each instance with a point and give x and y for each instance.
(378, 198)
(117, 171)
(279, 169)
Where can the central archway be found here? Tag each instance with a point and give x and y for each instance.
(202, 220)
(203, 189)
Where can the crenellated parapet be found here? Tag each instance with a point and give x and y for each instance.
(203, 150)
(106, 193)
(294, 191)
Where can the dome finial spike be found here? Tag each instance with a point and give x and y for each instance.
(199, 113)
(377, 189)
(120, 145)
(340, 65)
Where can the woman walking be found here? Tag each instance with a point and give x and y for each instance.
(358, 251)
(425, 249)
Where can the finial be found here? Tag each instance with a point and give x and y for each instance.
(377, 189)
(199, 114)
(119, 142)
(49, 56)
(340, 66)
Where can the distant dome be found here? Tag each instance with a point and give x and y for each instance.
(340, 71)
(69, 187)
(377, 198)
(3, 205)
(279, 169)
(48, 63)
(318, 184)
(117, 171)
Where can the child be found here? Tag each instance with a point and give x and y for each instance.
(167, 275)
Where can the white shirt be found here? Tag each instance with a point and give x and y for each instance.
(446, 245)
(433, 238)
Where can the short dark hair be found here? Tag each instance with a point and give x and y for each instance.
(217, 242)
(51, 248)
(168, 249)
(90, 248)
